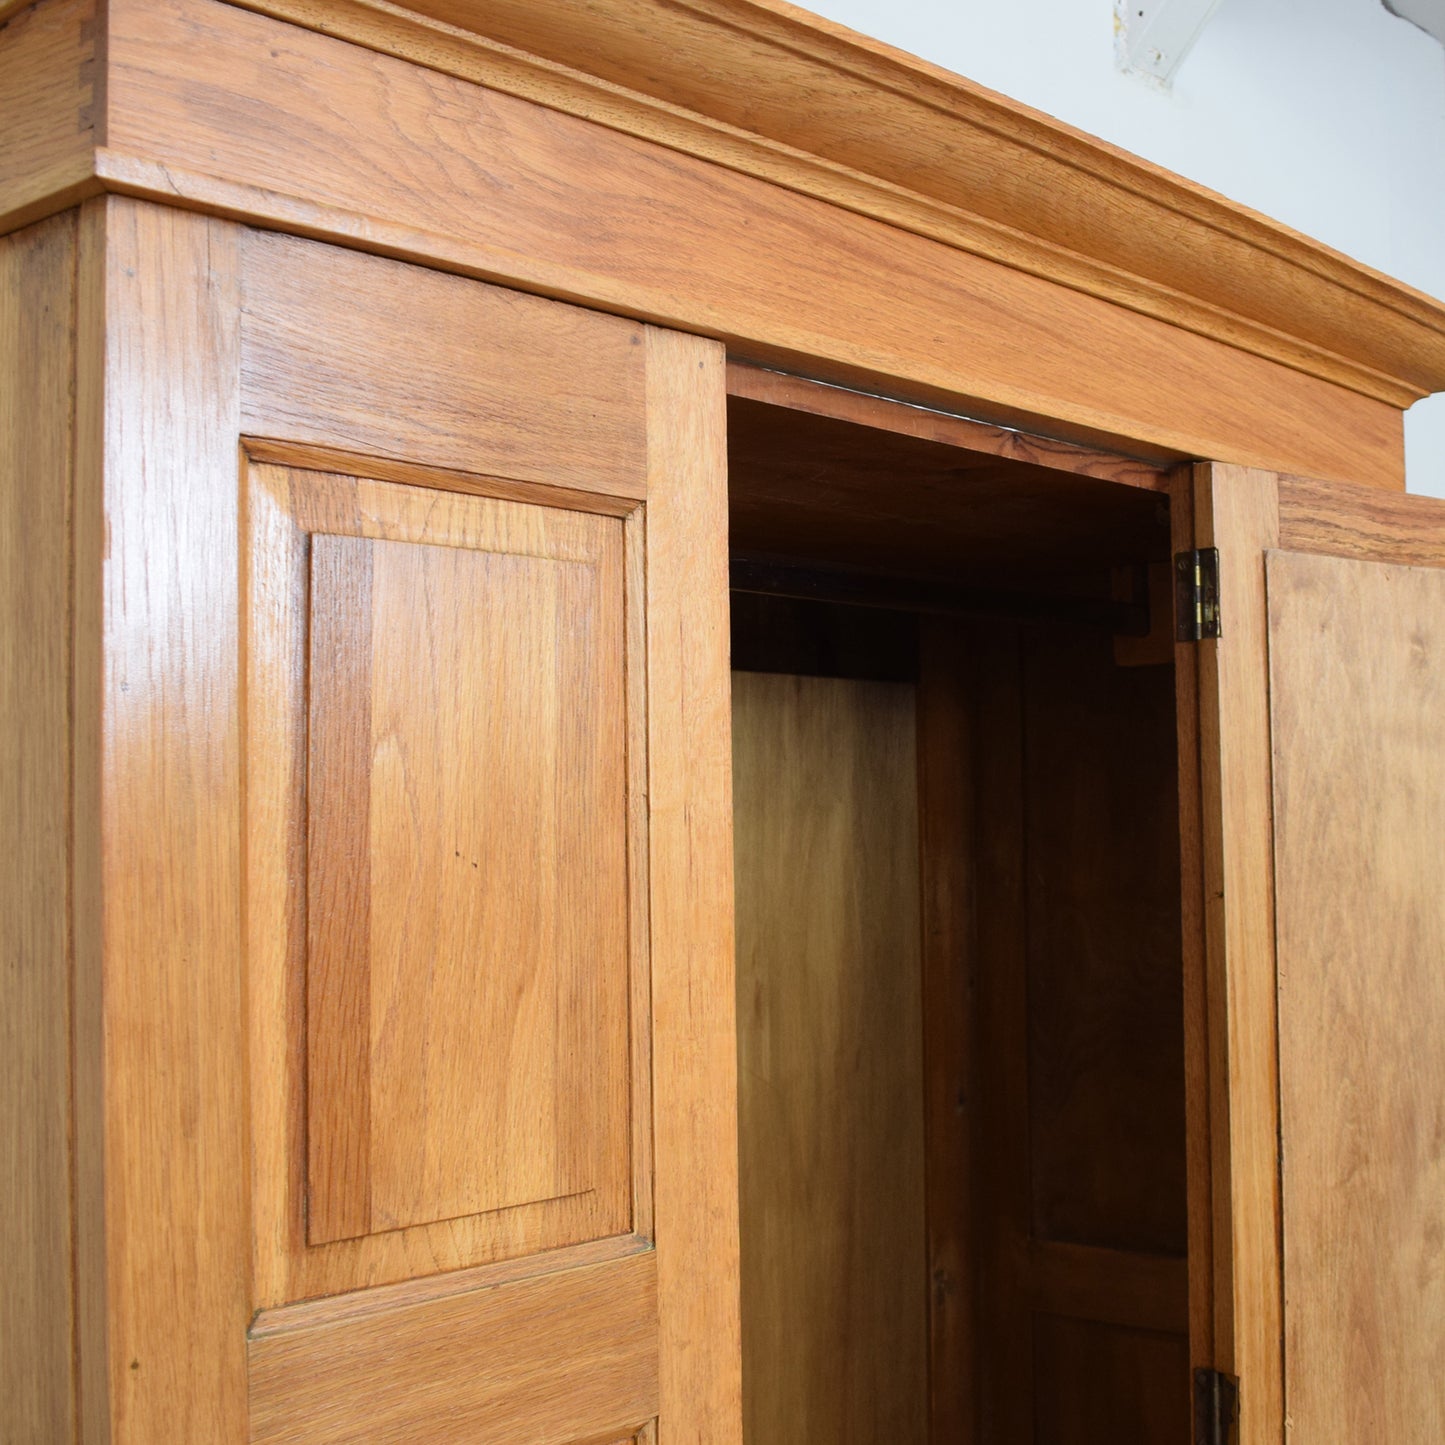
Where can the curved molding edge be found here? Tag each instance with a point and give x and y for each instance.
(774, 92)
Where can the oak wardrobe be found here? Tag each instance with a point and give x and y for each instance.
(708, 738)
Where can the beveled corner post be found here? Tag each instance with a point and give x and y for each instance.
(601, 154)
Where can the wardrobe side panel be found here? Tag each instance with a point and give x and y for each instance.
(37, 357)
(830, 1095)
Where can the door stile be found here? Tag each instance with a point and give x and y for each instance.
(1197, 1072)
(160, 1048)
(1236, 510)
(690, 805)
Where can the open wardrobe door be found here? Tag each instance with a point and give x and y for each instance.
(1321, 708)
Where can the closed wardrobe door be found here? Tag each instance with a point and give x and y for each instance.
(1322, 748)
(443, 1115)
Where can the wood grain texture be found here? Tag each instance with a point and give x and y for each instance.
(797, 393)
(1102, 1382)
(177, 1239)
(1237, 511)
(340, 756)
(51, 103)
(1080, 1111)
(1344, 519)
(1111, 1286)
(953, 1163)
(694, 1015)
(1198, 1125)
(469, 1156)
(890, 136)
(37, 360)
(484, 183)
(1357, 696)
(1005, 1359)
(548, 1361)
(839, 493)
(1105, 1027)
(505, 384)
(90, 536)
(491, 806)
(830, 1068)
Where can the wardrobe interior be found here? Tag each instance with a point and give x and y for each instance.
(959, 962)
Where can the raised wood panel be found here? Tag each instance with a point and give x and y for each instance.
(438, 726)
(481, 182)
(1357, 698)
(1105, 1039)
(479, 698)
(376, 357)
(37, 358)
(1081, 1211)
(830, 1074)
(1099, 1382)
(50, 104)
(566, 1357)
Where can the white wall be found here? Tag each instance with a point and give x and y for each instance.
(1327, 114)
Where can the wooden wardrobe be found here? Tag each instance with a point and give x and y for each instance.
(478, 481)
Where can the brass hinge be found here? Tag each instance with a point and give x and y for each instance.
(1216, 1406)
(1196, 594)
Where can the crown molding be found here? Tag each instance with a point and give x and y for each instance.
(775, 92)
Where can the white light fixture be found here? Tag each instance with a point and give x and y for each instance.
(1429, 15)
(1152, 37)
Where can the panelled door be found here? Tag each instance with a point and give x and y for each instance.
(1322, 752)
(419, 1097)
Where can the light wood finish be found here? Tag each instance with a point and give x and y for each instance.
(1357, 698)
(1249, 284)
(511, 191)
(1237, 511)
(890, 136)
(1199, 1143)
(694, 1054)
(51, 92)
(778, 388)
(37, 360)
(345, 350)
(188, 1037)
(491, 1366)
(1344, 519)
(1019, 189)
(525, 1147)
(89, 532)
(953, 1163)
(183, 123)
(830, 1086)
(168, 973)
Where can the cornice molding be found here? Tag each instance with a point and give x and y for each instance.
(775, 92)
